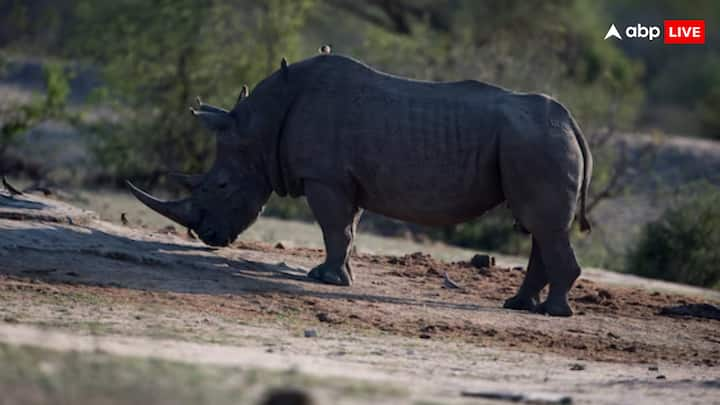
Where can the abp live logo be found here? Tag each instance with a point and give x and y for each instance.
(674, 32)
(684, 31)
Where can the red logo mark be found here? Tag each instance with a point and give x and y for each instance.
(684, 31)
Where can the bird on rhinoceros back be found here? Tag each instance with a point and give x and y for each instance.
(350, 138)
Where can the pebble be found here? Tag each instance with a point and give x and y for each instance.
(287, 396)
(310, 333)
(482, 261)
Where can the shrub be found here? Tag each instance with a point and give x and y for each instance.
(495, 231)
(682, 245)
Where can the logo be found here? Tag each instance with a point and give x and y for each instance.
(684, 31)
(673, 31)
(612, 32)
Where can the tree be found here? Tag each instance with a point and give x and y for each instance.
(18, 119)
(157, 56)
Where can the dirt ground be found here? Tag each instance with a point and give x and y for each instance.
(65, 275)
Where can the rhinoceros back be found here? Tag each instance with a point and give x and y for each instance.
(420, 151)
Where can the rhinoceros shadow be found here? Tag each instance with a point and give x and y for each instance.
(57, 253)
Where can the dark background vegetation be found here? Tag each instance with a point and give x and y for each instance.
(134, 66)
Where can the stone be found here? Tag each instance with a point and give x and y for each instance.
(483, 261)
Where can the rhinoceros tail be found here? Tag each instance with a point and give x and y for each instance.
(587, 173)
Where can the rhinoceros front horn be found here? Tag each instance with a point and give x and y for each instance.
(180, 211)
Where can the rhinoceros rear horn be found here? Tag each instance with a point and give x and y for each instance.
(180, 211)
(213, 120)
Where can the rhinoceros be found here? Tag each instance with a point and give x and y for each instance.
(351, 138)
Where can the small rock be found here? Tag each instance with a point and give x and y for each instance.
(577, 367)
(170, 230)
(325, 317)
(482, 261)
(310, 333)
(653, 368)
(425, 336)
(287, 396)
(10, 319)
(283, 244)
(661, 377)
(604, 294)
(519, 268)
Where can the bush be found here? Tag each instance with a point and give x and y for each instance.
(494, 231)
(682, 245)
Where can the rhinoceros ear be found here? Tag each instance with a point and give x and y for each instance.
(214, 121)
(243, 93)
(284, 68)
(207, 107)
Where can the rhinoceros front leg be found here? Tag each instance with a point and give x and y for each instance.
(337, 214)
(528, 296)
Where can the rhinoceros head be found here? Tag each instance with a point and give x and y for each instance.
(228, 198)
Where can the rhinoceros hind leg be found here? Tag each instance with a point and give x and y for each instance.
(562, 270)
(332, 274)
(337, 214)
(528, 295)
(557, 307)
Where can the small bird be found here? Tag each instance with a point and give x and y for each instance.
(9, 188)
(325, 49)
(448, 283)
(123, 219)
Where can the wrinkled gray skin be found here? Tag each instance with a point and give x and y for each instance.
(351, 138)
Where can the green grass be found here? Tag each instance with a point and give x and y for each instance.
(39, 376)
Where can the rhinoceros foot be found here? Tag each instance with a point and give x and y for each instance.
(555, 307)
(336, 275)
(521, 303)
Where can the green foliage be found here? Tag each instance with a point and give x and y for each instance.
(19, 119)
(709, 110)
(682, 245)
(158, 56)
(288, 208)
(494, 231)
(561, 55)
